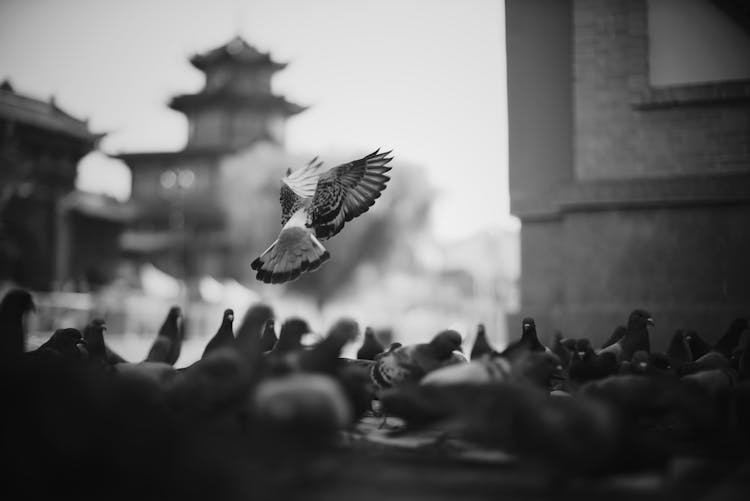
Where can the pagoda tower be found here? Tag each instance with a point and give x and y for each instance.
(236, 107)
(181, 225)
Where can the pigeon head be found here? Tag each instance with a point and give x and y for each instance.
(228, 317)
(698, 346)
(17, 301)
(583, 348)
(174, 312)
(93, 335)
(295, 327)
(445, 343)
(345, 329)
(67, 342)
(174, 317)
(290, 335)
(528, 325)
(640, 319)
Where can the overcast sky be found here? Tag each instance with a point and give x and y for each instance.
(424, 77)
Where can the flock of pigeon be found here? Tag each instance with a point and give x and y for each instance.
(254, 416)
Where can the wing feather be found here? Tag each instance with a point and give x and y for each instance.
(347, 191)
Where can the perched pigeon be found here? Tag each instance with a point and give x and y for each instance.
(408, 364)
(636, 338)
(315, 204)
(252, 324)
(698, 345)
(481, 344)
(224, 337)
(99, 352)
(268, 338)
(168, 343)
(290, 335)
(679, 351)
(529, 340)
(731, 338)
(15, 306)
(616, 335)
(481, 370)
(370, 346)
(586, 365)
(65, 343)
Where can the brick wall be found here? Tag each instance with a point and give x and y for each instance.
(617, 135)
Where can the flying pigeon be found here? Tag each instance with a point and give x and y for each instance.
(315, 204)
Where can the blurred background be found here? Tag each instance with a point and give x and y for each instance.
(607, 142)
(144, 142)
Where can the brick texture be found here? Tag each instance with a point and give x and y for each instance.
(614, 138)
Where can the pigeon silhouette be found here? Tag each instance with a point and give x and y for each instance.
(731, 338)
(481, 345)
(14, 307)
(636, 338)
(529, 340)
(290, 335)
(168, 343)
(370, 346)
(65, 343)
(224, 337)
(408, 364)
(268, 338)
(252, 325)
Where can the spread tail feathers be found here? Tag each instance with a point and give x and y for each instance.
(295, 251)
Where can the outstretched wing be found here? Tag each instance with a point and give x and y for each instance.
(297, 186)
(347, 191)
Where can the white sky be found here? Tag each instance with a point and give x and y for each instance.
(424, 77)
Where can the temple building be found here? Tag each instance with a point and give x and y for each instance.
(181, 222)
(50, 233)
(629, 154)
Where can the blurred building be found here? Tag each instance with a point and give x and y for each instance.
(181, 222)
(50, 234)
(629, 134)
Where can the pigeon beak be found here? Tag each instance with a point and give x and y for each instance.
(650, 321)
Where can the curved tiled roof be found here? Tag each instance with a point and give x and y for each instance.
(42, 114)
(236, 50)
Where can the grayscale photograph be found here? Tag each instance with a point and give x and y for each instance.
(375, 250)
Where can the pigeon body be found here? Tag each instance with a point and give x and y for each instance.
(252, 325)
(66, 343)
(315, 204)
(370, 346)
(168, 343)
(290, 335)
(586, 365)
(224, 337)
(636, 338)
(616, 335)
(529, 340)
(482, 370)
(408, 364)
(268, 339)
(15, 305)
(481, 345)
(731, 338)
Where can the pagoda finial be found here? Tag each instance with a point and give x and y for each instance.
(7, 86)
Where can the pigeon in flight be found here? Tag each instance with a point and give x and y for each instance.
(315, 204)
